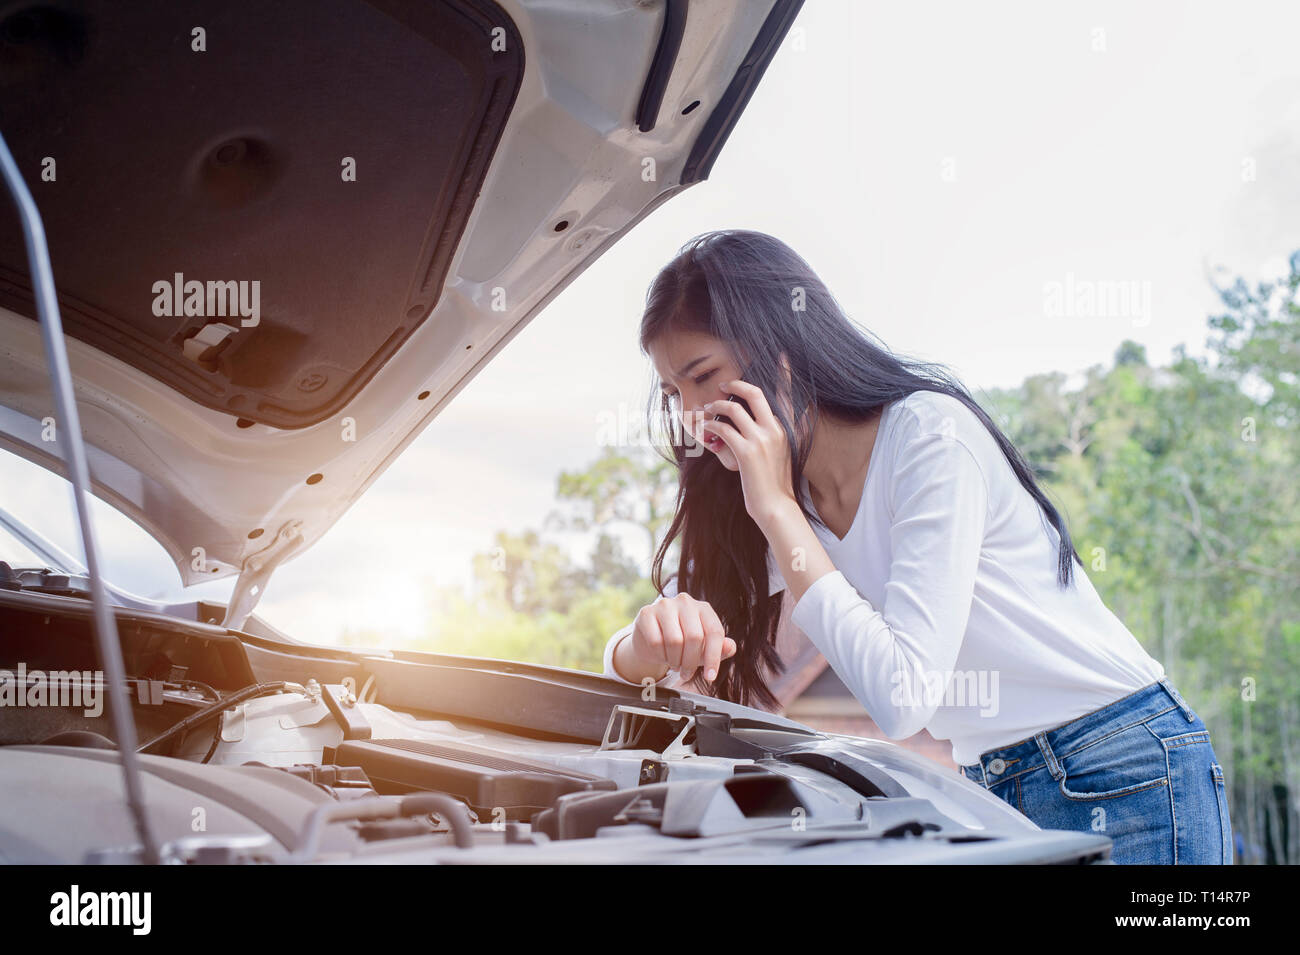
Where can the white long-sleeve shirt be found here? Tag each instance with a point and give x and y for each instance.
(943, 610)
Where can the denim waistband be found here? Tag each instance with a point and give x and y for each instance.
(1045, 747)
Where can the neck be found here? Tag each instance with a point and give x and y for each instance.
(837, 464)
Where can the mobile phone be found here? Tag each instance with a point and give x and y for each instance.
(740, 401)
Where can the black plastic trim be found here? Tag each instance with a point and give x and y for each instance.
(661, 67)
(354, 725)
(724, 116)
(857, 773)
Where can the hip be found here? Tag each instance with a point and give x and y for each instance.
(1141, 770)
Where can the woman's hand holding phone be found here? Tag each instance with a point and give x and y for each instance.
(759, 444)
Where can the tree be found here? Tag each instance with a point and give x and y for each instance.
(530, 602)
(637, 488)
(1184, 505)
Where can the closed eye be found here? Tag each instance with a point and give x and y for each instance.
(670, 395)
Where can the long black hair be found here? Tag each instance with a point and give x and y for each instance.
(755, 294)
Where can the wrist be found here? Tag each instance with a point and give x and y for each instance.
(778, 514)
(625, 650)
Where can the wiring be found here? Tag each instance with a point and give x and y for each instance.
(216, 709)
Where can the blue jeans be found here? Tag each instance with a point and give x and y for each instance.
(1140, 770)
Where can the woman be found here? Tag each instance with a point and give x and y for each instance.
(921, 557)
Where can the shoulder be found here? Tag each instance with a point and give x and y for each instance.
(933, 412)
(926, 413)
(924, 419)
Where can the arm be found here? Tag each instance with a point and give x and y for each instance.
(888, 656)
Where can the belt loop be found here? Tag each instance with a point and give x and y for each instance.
(1182, 704)
(983, 778)
(1049, 757)
(1178, 699)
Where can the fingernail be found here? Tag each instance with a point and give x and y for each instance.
(710, 674)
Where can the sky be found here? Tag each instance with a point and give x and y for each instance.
(1007, 188)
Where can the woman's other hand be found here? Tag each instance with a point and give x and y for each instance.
(682, 633)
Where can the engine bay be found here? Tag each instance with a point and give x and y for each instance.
(257, 750)
(203, 713)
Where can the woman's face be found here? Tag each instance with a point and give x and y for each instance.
(692, 367)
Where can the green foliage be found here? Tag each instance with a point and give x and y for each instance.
(528, 601)
(1180, 486)
(574, 638)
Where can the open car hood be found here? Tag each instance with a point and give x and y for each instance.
(286, 236)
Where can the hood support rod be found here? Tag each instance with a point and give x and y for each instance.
(65, 403)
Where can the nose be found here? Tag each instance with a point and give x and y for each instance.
(691, 417)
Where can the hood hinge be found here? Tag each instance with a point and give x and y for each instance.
(257, 571)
